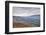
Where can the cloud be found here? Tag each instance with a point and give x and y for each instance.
(25, 11)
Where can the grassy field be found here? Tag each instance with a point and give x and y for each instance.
(21, 25)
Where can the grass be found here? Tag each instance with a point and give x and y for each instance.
(21, 25)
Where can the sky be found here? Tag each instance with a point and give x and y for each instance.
(25, 11)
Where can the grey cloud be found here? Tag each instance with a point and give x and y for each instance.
(26, 10)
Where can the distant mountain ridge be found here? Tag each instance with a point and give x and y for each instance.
(27, 18)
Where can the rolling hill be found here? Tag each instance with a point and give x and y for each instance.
(35, 19)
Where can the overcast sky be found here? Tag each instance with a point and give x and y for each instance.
(25, 11)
